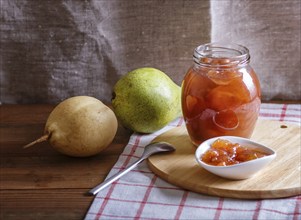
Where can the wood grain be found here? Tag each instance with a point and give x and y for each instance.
(38, 182)
(281, 178)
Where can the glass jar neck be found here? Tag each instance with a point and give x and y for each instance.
(225, 55)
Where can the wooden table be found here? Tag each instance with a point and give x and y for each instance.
(38, 182)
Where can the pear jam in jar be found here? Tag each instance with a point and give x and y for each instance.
(220, 93)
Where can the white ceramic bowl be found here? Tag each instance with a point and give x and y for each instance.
(237, 171)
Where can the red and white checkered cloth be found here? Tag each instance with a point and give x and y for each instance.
(140, 194)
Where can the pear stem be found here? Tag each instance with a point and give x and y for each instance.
(41, 139)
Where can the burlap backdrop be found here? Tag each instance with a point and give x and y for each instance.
(54, 49)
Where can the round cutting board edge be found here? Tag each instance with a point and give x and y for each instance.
(163, 166)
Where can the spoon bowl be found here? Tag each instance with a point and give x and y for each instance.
(239, 171)
(150, 149)
(155, 148)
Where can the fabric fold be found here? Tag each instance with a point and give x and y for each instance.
(141, 194)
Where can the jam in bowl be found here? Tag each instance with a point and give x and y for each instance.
(233, 157)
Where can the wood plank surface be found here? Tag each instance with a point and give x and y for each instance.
(281, 178)
(38, 182)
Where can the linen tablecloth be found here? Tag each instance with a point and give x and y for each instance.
(140, 194)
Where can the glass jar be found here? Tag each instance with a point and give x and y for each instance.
(220, 93)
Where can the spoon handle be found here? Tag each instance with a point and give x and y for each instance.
(110, 180)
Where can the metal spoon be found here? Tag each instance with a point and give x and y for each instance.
(149, 150)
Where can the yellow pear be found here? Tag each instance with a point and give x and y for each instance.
(80, 126)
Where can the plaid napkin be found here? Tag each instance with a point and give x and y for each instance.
(140, 194)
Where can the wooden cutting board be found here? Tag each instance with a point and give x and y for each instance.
(281, 178)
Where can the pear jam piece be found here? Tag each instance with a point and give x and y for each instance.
(224, 153)
(220, 93)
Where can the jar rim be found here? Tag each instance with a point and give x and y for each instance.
(235, 54)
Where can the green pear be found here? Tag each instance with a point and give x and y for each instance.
(146, 99)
